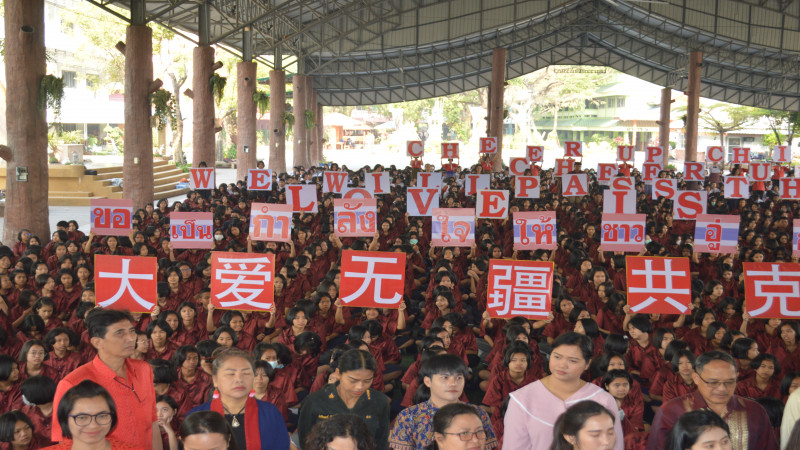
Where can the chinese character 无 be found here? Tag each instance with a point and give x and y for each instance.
(370, 276)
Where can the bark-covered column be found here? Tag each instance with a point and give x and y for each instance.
(300, 147)
(693, 104)
(203, 144)
(277, 106)
(663, 124)
(139, 84)
(246, 118)
(496, 104)
(26, 201)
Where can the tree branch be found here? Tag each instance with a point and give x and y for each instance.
(189, 93)
(121, 47)
(155, 85)
(217, 65)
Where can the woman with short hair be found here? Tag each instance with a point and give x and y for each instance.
(87, 414)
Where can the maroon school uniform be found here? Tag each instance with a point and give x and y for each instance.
(674, 387)
(63, 366)
(196, 392)
(501, 385)
(748, 388)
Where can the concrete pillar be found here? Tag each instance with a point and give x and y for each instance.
(139, 84)
(311, 105)
(496, 103)
(299, 105)
(693, 104)
(663, 126)
(277, 136)
(203, 145)
(246, 118)
(26, 124)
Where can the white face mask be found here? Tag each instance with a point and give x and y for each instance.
(275, 364)
(218, 237)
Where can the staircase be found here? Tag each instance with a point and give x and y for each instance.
(88, 187)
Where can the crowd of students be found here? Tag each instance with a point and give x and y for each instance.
(312, 357)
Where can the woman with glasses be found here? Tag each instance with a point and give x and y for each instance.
(87, 414)
(457, 426)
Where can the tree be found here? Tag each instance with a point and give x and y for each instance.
(784, 125)
(724, 118)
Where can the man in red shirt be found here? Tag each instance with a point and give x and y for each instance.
(129, 381)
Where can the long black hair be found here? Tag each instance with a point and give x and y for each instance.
(573, 419)
(690, 426)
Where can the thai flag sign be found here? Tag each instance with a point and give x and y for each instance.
(623, 232)
(716, 233)
(191, 229)
(372, 279)
(271, 222)
(355, 217)
(658, 285)
(772, 290)
(453, 227)
(519, 288)
(125, 282)
(534, 230)
(796, 238)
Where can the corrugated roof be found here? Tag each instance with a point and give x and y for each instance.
(364, 52)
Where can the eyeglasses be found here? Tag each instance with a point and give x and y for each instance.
(83, 420)
(730, 384)
(467, 435)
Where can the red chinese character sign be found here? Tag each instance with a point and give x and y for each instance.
(453, 227)
(623, 232)
(658, 285)
(772, 290)
(372, 279)
(125, 282)
(242, 281)
(519, 288)
(111, 217)
(534, 230)
(354, 217)
(271, 222)
(191, 230)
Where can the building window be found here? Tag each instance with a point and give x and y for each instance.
(69, 78)
(620, 102)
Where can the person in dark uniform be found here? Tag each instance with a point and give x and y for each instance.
(350, 395)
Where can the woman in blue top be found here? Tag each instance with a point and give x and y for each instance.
(256, 425)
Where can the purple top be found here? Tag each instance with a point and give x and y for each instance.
(533, 411)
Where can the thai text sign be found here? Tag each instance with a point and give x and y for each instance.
(533, 230)
(111, 217)
(623, 232)
(354, 217)
(270, 222)
(519, 288)
(658, 285)
(715, 233)
(242, 281)
(191, 229)
(453, 227)
(372, 279)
